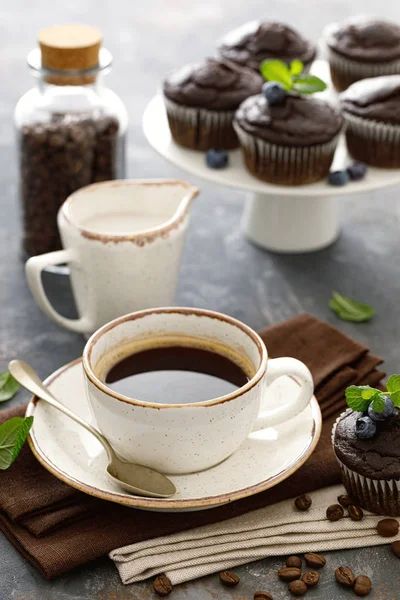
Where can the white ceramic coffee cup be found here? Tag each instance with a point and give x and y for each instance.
(123, 242)
(183, 438)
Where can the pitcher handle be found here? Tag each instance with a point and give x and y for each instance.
(33, 269)
(279, 367)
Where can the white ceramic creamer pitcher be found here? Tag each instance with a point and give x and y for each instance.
(123, 242)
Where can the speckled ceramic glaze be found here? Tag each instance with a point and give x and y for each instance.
(123, 242)
(73, 455)
(183, 438)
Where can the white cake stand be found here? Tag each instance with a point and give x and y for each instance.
(277, 218)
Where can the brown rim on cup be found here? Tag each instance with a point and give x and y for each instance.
(89, 369)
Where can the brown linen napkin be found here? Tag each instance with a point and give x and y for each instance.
(57, 528)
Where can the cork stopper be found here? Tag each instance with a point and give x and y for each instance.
(71, 47)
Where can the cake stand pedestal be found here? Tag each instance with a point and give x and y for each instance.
(278, 218)
(285, 224)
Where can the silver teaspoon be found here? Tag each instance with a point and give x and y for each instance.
(136, 479)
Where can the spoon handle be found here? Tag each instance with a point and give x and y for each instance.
(29, 379)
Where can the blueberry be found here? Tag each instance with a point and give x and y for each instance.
(217, 159)
(273, 92)
(386, 413)
(338, 178)
(357, 170)
(365, 428)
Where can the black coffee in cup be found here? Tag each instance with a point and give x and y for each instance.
(176, 375)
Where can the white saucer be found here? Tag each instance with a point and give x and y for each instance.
(70, 453)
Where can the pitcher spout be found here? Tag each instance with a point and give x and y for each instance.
(138, 210)
(179, 195)
(189, 193)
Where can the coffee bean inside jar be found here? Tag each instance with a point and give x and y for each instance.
(71, 130)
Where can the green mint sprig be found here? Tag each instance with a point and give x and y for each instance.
(359, 397)
(291, 77)
(8, 386)
(350, 310)
(13, 434)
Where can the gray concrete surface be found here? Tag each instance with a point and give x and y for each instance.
(220, 269)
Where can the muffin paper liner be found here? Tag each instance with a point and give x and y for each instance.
(201, 129)
(379, 496)
(373, 142)
(345, 71)
(286, 165)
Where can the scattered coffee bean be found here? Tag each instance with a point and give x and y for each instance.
(396, 548)
(294, 561)
(162, 585)
(262, 596)
(345, 500)
(334, 512)
(289, 573)
(388, 527)
(229, 579)
(303, 502)
(315, 561)
(362, 585)
(345, 576)
(355, 512)
(297, 588)
(310, 578)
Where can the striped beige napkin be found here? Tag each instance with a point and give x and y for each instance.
(276, 530)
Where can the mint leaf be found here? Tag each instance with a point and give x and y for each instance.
(8, 386)
(354, 397)
(350, 310)
(395, 396)
(309, 84)
(276, 70)
(393, 384)
(291, 78)
(359, 397)
(22, 434)
(367, 392)
(13, 434)
(393, 387)
(296, 67)
(378, 402)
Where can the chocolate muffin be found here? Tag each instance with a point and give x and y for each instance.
(370, 467)
(362, 47)
(201, 100)
(372, 115)
(256, 41)
(291, 143)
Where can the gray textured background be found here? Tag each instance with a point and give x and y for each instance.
(220, 269)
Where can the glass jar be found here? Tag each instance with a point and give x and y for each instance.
(71, 132)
